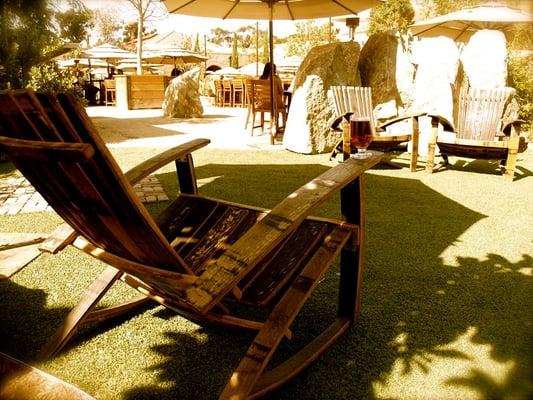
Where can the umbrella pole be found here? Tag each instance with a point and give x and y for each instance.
(273, 116)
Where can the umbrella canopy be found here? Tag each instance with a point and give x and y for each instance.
(253, 69)
(261, 9)
(80, 62)
(173, 56)
(460, 25)
(107, 52)
(227, 71)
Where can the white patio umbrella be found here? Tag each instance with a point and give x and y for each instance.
(268, 10)
(460, 25)
(173, 56)
(107, 52)
(252, 69)
(80, 62)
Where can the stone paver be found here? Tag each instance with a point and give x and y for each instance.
(17, 195)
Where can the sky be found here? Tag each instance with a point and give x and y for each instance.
(186, 24)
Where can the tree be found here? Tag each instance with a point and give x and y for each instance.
(108, 26)
(196, 47)
(434, 8)
(25, 35)
(308, 35)
(234, 61)
(395, 15)
(145, 9)
(265, 56)
(75, 22)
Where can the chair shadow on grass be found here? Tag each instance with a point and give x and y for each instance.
(488, 167)
(417, 312)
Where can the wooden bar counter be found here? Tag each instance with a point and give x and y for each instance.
(140, 91)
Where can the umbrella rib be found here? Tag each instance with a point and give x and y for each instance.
(182, 6)
(343, 6)
(289, 9)
(231, 9)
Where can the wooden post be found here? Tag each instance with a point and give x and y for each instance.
(352, 255)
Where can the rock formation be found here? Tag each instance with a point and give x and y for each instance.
(182, 96)
(309, 121)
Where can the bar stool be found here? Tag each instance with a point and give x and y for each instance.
(227, 95)
(110, 92)
(238, 92)
(218, 93)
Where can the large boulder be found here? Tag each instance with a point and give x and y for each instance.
(437, 61)
(485, 59)
(385, 66)
(308, 128)
(182, 96)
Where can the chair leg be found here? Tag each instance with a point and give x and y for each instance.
(430, 160)
(414, 150)
(82, 312)
(246, 377)
(512, 155)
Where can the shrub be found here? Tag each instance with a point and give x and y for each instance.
(48, 78)
(520, 77)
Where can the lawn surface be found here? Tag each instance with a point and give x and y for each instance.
(447, 293)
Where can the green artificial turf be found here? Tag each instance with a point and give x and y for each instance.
(447, 292)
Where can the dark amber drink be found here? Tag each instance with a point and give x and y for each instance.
(360, 136)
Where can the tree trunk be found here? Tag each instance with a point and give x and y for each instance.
(140, 38)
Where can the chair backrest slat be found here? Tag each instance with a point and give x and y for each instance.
(92, 196)
(354, 99)
(480, 112)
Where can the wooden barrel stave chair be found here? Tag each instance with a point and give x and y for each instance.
(357, 100)
(203, 255)
(479, 131)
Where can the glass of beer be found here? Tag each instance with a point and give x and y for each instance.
(360, 136)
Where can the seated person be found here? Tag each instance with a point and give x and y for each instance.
(278, 86)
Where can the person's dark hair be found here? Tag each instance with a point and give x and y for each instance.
(267, 69)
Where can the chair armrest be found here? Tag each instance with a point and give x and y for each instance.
(144, 169)
(400, 118)
(439, 119)
(513, 126)
(220, 277)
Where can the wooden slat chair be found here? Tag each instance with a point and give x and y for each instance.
(260, 103)
(218, 93)
(358, 101)
(237, 86)
(201, 257)
(20, 381)
(227, 93)
(110, 90)
(479, 131)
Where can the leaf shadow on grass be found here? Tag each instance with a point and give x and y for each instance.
(407, 292)
(413, 304)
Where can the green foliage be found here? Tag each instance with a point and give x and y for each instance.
(520, 77)
(434, 8)
(234, 61)
(265, 55)
(25, 32)
(48, 78)
(108, 25)
(75, 23)
(196, 47)
(394, 15)
(309, 34)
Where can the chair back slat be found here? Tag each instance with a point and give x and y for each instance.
(92, 196)
(480, 112)
(354, 99)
